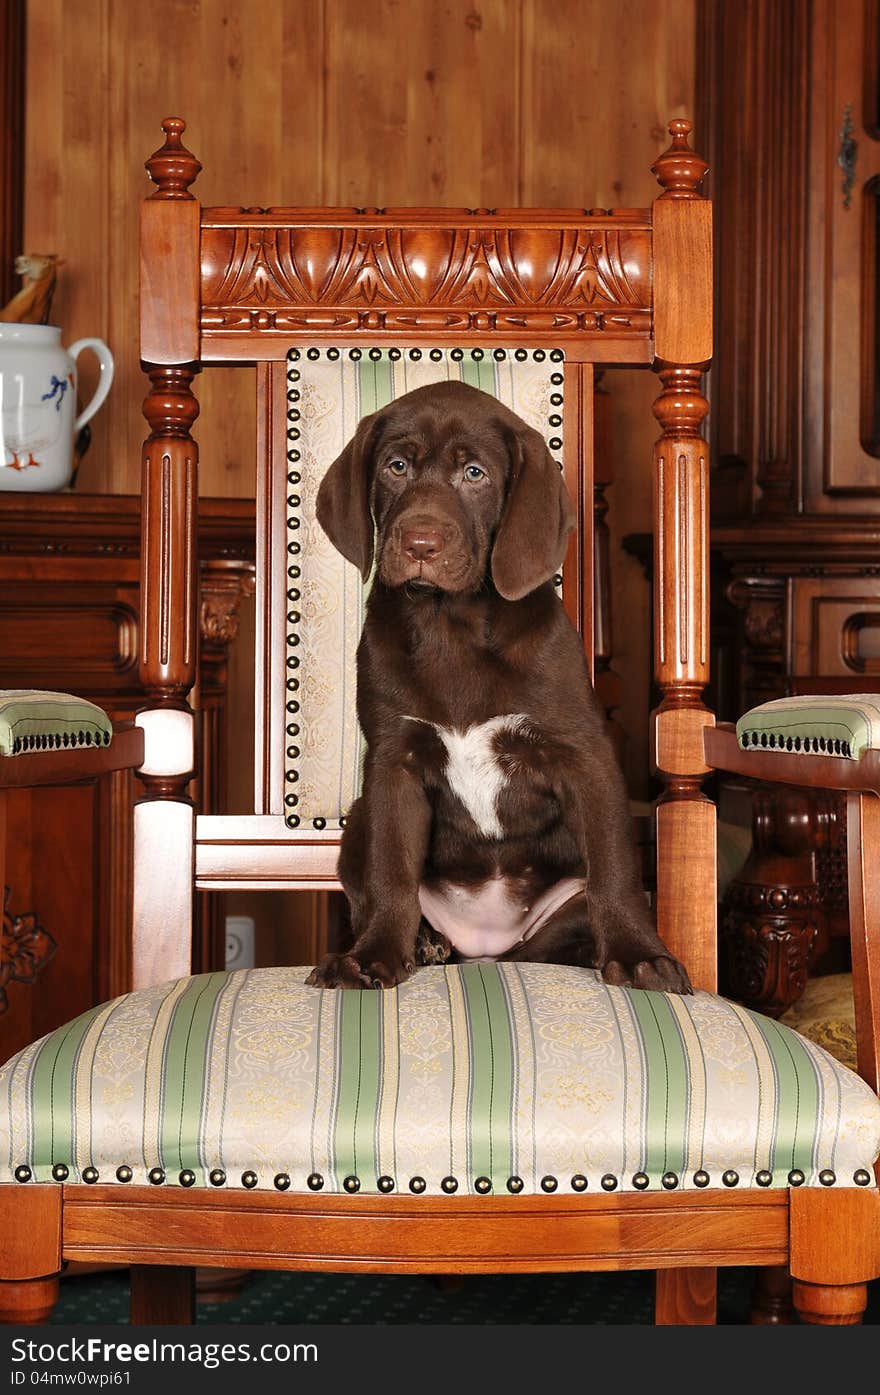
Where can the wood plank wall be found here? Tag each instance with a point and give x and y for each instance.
(473, 102)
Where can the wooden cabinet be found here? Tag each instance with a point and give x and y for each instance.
(792, 134)
(69, 614)
(841, 315)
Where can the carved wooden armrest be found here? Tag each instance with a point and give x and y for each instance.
(77, 765)
(723, 752)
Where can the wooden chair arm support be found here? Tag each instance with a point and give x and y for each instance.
(723, 752)
(74, 767)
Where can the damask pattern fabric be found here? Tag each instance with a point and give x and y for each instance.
(844, 725)
(329, 390)
(32, 720)
(482, 1073)
(826, 1015)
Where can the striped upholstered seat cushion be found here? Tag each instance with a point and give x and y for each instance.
(32, 720)
(843, 725)
(497, 1076)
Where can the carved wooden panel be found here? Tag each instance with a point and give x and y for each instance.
(794, 384)
(74, 632)
(835, 630)
(843, 470)
(414, 270)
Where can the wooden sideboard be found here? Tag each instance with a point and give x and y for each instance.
(69, 614)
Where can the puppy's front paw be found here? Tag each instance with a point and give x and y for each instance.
(338, 971)
(369, 970)
(663, 974)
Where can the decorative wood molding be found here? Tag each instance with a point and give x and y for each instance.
(288, 270)
(223, 589)
(109, 525)
(764, 659)
(757, 385)
(769, 934)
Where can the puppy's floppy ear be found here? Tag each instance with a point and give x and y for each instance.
(343, 503)
(538, 516)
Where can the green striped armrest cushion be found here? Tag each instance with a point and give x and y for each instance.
(31, 720)
(328, 389)
(823, 726)
(473, 1078)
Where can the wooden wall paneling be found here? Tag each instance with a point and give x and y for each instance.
(598, 89)
(599, 86)
(422, 103)
(302, 115)
(242, 158)
(67, 144)
(12, 108)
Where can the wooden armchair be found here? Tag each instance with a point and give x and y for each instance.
(249, 1120)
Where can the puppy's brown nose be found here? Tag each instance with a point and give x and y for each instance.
(422, 544)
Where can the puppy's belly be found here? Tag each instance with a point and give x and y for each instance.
(486, 921)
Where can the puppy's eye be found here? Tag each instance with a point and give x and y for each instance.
(473, 474)
(397, 467)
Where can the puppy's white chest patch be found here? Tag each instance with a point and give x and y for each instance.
(474, 772)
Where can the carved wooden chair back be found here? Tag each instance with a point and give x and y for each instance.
(346, 304)
(330, 309)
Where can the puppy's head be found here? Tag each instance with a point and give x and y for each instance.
(454, 488)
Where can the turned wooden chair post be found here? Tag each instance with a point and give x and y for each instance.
(685, 818)
(164, 821)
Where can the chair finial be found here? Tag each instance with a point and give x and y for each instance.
(679, 169)
(173, 168)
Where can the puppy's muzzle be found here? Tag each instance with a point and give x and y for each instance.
(427, 549)
(422, 543)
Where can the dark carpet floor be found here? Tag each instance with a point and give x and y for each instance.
(601, 1299)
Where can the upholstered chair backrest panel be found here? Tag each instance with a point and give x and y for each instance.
(328, 390)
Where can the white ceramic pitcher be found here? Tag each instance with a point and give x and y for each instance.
(38, 421)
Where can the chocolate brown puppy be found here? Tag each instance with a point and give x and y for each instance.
(493, 822)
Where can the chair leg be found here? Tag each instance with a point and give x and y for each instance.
(835, 1305)
(771, 1297)
(30, 1252)
(25, 1302)
(161, 1295)
(834, 1252)
(685, 1297)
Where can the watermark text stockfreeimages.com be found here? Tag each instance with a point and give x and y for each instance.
(91, 1351)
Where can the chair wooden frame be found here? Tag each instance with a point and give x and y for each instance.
(229, 285)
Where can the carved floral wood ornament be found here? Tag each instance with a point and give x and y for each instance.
(396, 271)
(25, 949)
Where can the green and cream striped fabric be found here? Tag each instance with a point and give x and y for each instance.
(845, 725)
(329, 390)
(472, 1072)
(31, 720)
